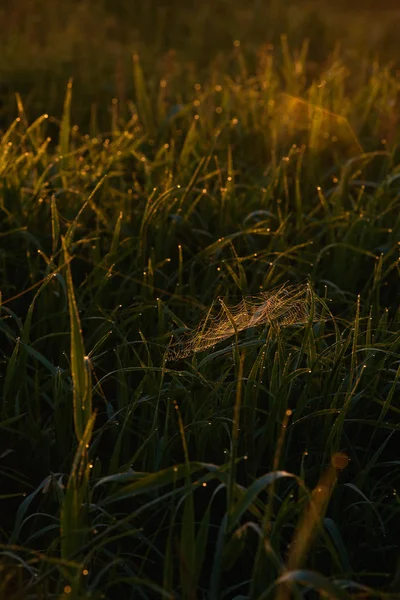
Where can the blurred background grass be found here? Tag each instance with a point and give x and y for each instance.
(43, 43)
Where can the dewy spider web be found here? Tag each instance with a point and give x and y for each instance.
(285, 305)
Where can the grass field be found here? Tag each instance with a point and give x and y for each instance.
(200, 324)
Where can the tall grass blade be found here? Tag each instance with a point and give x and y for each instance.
(80, 366)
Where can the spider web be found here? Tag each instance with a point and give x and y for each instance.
(285, 305)
(324, 126)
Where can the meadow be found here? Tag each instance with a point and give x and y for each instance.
(199, 310)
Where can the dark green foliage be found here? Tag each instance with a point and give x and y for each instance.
(124, 475)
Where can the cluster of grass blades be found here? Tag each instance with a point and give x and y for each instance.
(265, 469)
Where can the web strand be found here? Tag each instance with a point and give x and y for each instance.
(283, 306)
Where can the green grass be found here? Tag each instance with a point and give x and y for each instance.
(265, 467)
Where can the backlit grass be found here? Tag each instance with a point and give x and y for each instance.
(266, 466)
